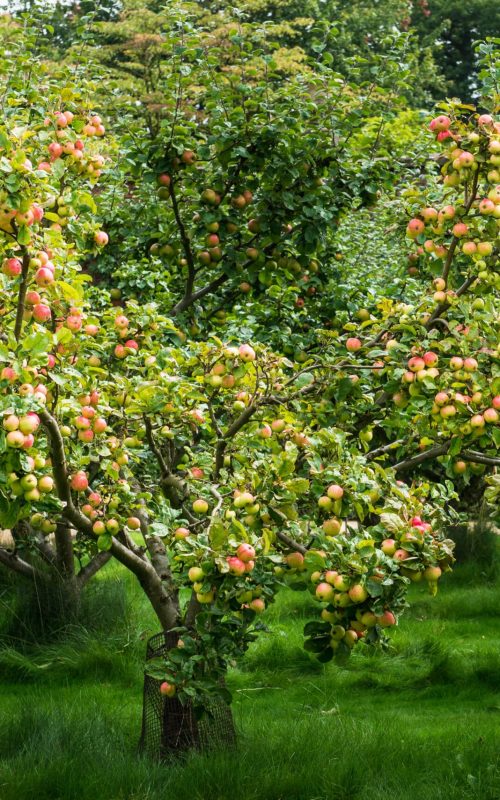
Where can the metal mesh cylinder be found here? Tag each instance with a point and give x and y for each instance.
(168, 726)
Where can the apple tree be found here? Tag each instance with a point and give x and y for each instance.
(181, 460)
(233, 194)
(219, 471)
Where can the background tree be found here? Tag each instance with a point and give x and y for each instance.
(452, 29)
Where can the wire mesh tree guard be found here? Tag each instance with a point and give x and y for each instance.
(171, 728)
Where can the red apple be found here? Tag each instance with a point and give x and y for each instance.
(353, 344)
(79, 482)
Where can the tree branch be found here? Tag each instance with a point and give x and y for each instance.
(21, 298)
(64, 549)
(233, 429)
(386, 448)
(16, 564)
(433, 452)
(208, 289)
(165, 472)
(186, 243)
(59, 468)
(479, 458)
(92, 568)
(283, 537)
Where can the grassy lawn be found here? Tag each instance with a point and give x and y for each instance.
(420, 721)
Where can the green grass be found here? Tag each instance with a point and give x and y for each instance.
(422, 720)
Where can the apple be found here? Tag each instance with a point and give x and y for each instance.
(416, 364)
(205, 597)
(29, 482)
(432, 573)
(295, 561)
(134, 523)
(414, 228)
(369, 619)
(100, 425)
(490, 415)
(101, 238)
(324, 592)
(8, 374)
(486, 206)
(79, 481)
(456, 363)
(401, 555)
(485, 120)
(389, 547)
(112, 526)
(246, 352)
(358, 593)
(338, 633)
(278, 425)
(430, 359)
(460, 229)
(331, 527)
(245, 552)
(41, 312)
(44, 277)
(167, 689)
(188, 157)
(441, 123)
(335, 491)
(485, 248)
(386, 620)
(441, 398)
(258, 605)
(429, 214)
(470, 364)
(195, 574)
(350, 638)
(12, 267)
(325, 502)
(56, 150)
(243, 499)
(341, 583)
(11, 423)
(353, 344)
(236, 566)
(99, 527)
(330, 576)
(466, 160)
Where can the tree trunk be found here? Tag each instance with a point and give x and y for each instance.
(171, 728)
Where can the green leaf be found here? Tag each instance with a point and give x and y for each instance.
(312, 628)
(217, 534)
(304, 380)
(298, 485)
(455, 446)
(104, 542)
(392, 522)
(37, 343)
(10, 511)
(23, 235)
(325, 656)
(314, 561)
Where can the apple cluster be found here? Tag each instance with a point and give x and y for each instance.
(469, 227)
(209, 584)
(363, 596)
